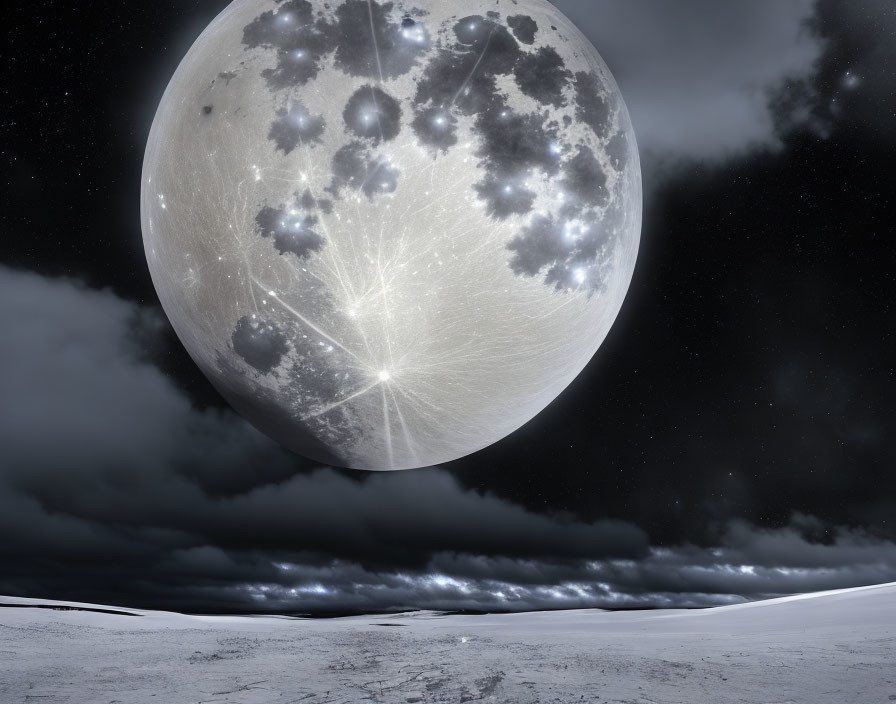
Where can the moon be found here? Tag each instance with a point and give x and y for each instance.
(391, 234)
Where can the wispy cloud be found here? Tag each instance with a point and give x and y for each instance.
(698, 78)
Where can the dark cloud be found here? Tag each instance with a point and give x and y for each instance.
(294, 126)
(751, 364)
(101, 405)
(178, 496)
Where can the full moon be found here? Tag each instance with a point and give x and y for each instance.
(391, 233)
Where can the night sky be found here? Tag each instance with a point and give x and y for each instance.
(732, 438)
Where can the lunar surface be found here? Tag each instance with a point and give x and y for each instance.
(827, 648)
(390, 234)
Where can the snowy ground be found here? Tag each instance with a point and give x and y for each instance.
(837, 647)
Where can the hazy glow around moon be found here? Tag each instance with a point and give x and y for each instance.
(391, 234)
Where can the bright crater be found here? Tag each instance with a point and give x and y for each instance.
(390, 234)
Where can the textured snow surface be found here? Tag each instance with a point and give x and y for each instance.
(833, 647)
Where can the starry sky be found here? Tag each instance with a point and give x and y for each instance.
(732, 439)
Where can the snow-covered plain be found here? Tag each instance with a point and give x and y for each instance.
(835, 647)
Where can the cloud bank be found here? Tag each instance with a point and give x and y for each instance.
(115, 488)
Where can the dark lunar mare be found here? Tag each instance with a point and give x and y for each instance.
(314, 374)
(398, 44)
(374, 114)
(618, 150)
(459, 77)
(298, 39)
(354, 166)
(261, 344)
(349, 168)
(380, 178)
(436, 127)
(266, 412)
(301, 40)
(294, 126)
(585, 180)
(592, 107)
(291, 230)
(504, 196)
(308, 202)
(543, 76)
(524, 28)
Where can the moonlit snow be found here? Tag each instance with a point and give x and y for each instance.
(390, 234)
(828, 648)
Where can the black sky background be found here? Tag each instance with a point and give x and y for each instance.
(731, 439)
